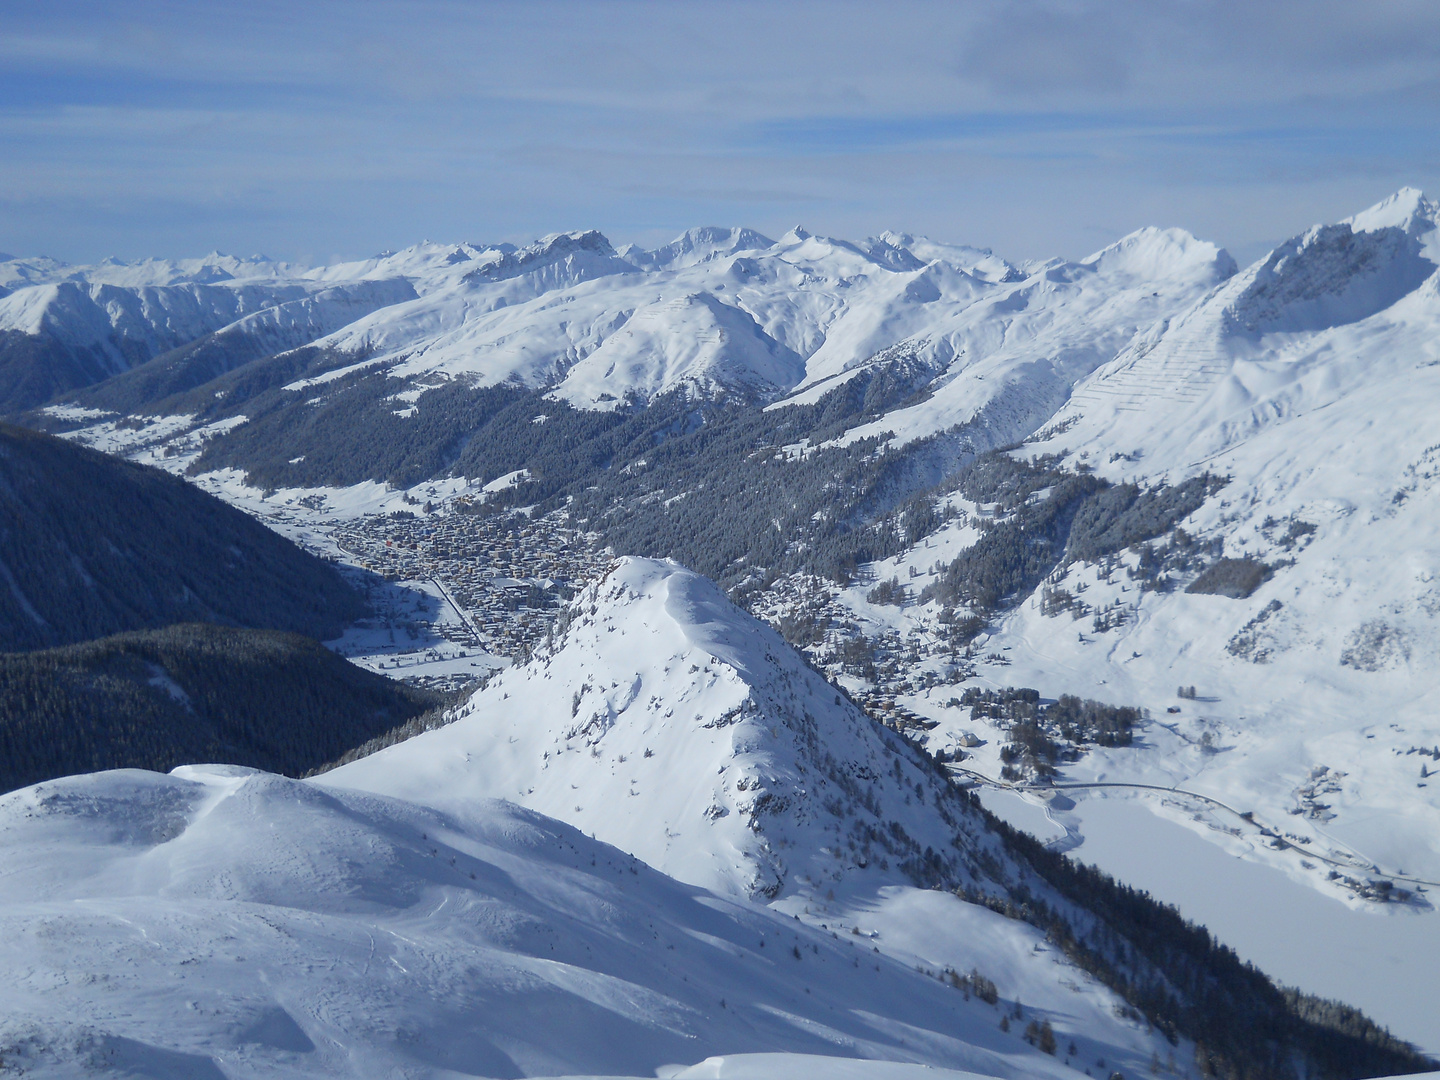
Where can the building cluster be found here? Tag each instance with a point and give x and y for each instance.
(505, 576)
(877, 670)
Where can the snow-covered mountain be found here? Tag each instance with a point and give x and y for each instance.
(1308, 381)
(126, 325)
(1311, 380)
(223, 922)
(665, 721)
(1308, 378)
(732, 309)
(235, 923)
(717, 309)
(18, 273)
(90, 325)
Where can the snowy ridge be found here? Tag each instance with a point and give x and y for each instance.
(293, 323)
(224, 922)
(126, 326)
(207, 270)
(695, 246)
(669, 723)
(257, 925)
(1279, 340)
(139, 322)
(1018, 351)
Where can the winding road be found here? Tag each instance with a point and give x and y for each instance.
(1277, 840)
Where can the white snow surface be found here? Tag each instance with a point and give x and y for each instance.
(223, 922)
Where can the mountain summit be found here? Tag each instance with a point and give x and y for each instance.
(665, 721)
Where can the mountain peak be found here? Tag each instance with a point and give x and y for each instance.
(671, 724)
(698, 245)
(1342, 273)
(1407, 209)
(589, 248)
(1156, 253)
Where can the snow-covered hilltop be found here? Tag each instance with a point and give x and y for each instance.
(222, 922)
(669, 723)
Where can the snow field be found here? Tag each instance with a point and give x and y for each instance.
(220, 921)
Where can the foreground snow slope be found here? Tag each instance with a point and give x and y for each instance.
(223, 922)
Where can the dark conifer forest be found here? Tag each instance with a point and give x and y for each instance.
(93, 545)
(190, 693)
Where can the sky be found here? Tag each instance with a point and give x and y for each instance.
(321, 130)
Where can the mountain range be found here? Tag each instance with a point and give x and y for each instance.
(1143, 531)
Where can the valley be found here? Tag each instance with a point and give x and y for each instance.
(848, 585)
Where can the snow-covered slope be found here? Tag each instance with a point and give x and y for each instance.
(222, 922)
(669, 723)
(1014, 356)
(130, 325)
(1313, 381)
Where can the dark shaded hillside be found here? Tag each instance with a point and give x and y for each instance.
(91, 545)
(35, 368)
(190, 693)
(171, 373)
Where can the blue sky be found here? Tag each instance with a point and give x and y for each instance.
(316, 130)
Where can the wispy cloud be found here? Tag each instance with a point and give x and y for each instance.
(1033, 126)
